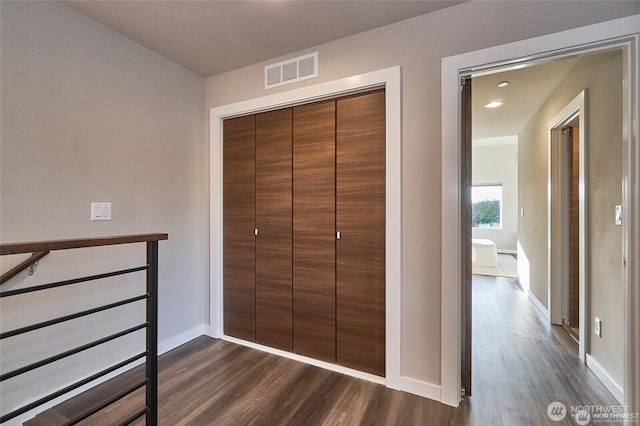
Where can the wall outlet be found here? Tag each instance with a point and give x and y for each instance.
(597, 327)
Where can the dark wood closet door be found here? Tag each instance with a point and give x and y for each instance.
(314, 230)
(273, 221)
(238, 224)
(360, 218)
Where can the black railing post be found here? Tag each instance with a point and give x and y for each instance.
(152, 333)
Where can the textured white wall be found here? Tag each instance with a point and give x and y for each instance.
(88, 115)
(601, 76)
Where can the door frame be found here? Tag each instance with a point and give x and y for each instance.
(556, 296)
(389, 79)
(622, 33)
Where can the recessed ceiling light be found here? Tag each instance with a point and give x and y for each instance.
(503, 84)
(493, 104)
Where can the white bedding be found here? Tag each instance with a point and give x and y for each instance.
(484, 253)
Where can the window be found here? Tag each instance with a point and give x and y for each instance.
(486, 206)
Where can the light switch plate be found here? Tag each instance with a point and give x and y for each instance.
(618, 215)
(597, 327)
(100, 211)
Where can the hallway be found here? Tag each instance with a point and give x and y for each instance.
(521, 363)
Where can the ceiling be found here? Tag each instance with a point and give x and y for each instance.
(212, 37)
(527, 90)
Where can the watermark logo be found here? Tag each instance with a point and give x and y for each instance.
(591, 414)
(557, 411)
(582, 417)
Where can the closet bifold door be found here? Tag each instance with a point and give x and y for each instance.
(360, 219)
(238, 225)
(273, 223)
(314, 230)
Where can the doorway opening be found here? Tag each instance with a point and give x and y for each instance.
(571, 285)
(568, 227)
(616, 34)
(552, 195)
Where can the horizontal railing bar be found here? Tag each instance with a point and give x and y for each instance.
(70, 317)
(71, 387)
(106, 403)
(35, 257)
(29, 247)
(70, 352)
(136, 416)
(73, 281)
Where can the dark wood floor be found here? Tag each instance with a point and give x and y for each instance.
(521, 365)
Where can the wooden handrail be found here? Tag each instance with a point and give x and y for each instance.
(35, 257)
(42, 246)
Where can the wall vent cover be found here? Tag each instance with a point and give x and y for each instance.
(291, 70)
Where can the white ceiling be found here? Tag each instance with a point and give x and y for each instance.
(212, 37)
(528, 89)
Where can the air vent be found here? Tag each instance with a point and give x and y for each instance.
(290, 71)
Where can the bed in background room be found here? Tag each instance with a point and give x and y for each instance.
(484, 253)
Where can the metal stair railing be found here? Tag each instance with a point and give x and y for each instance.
(150, 354)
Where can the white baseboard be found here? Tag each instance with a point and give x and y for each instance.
(416, 387)
(608, 382)
(181, 339)
(322, 364)
(403, 383)
(539, 306)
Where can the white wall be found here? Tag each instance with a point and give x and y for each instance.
(601, 76)
(498, 164)
(418, 45)
(87, 115)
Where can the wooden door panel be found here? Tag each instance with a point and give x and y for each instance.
(466, 235)
(314, 230)
(238, 224)
(574, 226)
(360, 214)
(274, 224)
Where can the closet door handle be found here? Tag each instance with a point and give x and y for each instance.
(338, 235)
(255, 232)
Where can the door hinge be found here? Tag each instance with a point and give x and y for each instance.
(463, 393)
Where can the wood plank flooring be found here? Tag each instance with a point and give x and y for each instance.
(521, 365)
(521, 362)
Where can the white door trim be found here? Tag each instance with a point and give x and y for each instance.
(623, 32)
(390, 79)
